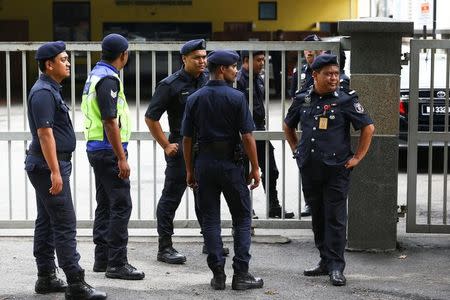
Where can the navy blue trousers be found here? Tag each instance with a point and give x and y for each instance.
(273, 171)
(174, 187)
(55, 227)
(224, 176)
(113, 210)
(326, 188)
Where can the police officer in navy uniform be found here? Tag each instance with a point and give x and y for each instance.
(259, 117)
(48, 165)
(217, 114)
(170, 96)
(325, 158)
(107, 131)
(306, 79)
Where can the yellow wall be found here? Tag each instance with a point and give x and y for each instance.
(293, 15)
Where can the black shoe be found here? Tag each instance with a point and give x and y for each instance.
(100, 266)
(78, 289)
(254, 216)
(127, 272)
(218, 281)
(171, 256)
(275, 212)
(318, 270)
(337, 278)
(306, 212)
(48, 283)
(225, 250)
(245, 281)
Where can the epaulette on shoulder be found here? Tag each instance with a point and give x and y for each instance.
(171, 78)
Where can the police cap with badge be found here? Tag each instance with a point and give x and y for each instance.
(223, 57)
(50, 50)
(192, 45)
(324, 60)
(312, 38)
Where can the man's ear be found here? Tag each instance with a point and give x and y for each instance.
(48, 64)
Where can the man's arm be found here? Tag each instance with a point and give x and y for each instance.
(291, 136)
(250, 149)
(187, 152)
(365, 139)
(113, 134)
(170, 149)
(48, 147)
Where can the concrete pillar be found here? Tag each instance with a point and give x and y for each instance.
(375, 75)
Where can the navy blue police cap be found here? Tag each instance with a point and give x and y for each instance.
(223, 57)
(114, 43)
(193, 45)
(245, 53)
(49, 50)
(323, 60)
(312, 38)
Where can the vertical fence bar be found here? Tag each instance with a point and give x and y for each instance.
(445, 187)
(154, 141)
(250, 103)
(91, 202)
(24, 103)
(72, 98)
(169, 63)
(283, 142)
(430, 143)
(138, 113)
(267, 141)
(8, 109)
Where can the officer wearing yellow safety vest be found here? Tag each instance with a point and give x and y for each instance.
(107, 130)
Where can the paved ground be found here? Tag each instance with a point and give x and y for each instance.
(419, 269)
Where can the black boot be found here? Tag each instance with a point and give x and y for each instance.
(167, 253)
(245, 281)
(218, 281)
(275, 212)
(78, 289)
(48, 283)
(126, 272)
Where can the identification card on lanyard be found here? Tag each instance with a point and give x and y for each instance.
(323, 123)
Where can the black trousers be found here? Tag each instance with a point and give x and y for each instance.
(174, 187)
(55, 227)
(216, 176)
(326, 188)
(113, 210)
(272, 171)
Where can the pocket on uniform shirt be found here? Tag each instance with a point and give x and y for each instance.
(183, 98)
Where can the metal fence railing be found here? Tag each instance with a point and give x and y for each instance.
(428, 129)
(149, 62)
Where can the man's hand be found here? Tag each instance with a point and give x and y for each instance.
(190, 180)
(254, 178)
(57, 183)
(124, 169)
(171, 149)
(353, 162)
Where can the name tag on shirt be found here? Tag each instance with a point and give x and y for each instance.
(323, 123)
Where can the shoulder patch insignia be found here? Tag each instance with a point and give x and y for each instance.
(358, 107)
(113, 94)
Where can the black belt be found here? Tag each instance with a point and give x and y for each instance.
(220, 149)
(64, 156)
